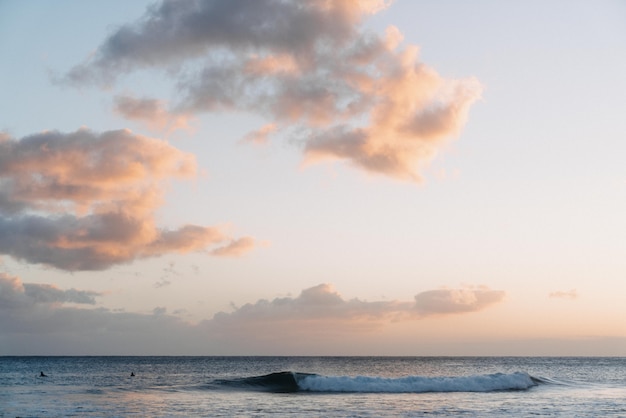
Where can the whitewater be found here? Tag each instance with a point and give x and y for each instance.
(312, 386)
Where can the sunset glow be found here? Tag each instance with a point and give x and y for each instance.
(312, 178)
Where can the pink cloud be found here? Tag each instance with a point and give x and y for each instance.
(321, 309)
(456, 301)
(236, 247)
(570, 294)
(151, 112)
(311, 68)
(43, 319)
(260, 136)
(414, 112)
(86, 201)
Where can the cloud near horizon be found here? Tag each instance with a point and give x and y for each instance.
(35, 320)
(320, 310)
(39, 312)
(14, 293)
(308, 67)
(87, 201)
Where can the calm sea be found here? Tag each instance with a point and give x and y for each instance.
(312, 386)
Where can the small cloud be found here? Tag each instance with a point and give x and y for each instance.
(456, 301)
(570, 295)
(159, 310)
(151, 112)
(161, 283)
(51, 294)
(236, 248)
(168, 272)
(260, 136)
(13, 290)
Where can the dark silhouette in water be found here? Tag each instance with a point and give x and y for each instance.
(132, 374)
(42, 374)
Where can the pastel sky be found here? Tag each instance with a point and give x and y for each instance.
(277, 177)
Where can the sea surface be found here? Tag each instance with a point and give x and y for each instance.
(312, 386)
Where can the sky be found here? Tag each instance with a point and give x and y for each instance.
(350, 177)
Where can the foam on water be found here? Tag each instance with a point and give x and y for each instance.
(416, 384)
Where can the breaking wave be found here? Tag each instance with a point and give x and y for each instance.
(306, 382)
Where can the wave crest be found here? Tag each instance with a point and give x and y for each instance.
(418, 384)
(296, 382)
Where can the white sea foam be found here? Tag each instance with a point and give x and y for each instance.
(417, 384)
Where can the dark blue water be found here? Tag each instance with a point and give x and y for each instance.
(312, 386)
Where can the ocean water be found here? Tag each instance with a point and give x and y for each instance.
(312, 386)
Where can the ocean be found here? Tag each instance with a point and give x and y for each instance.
(312, 386)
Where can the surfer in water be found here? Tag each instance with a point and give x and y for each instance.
(132, 374)
(42, 374)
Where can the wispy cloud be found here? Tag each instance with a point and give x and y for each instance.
(235, 247)
(52, 294)
(86, 201)
(355, 95)
(570, 294)
(151, 112)
(261, 135)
